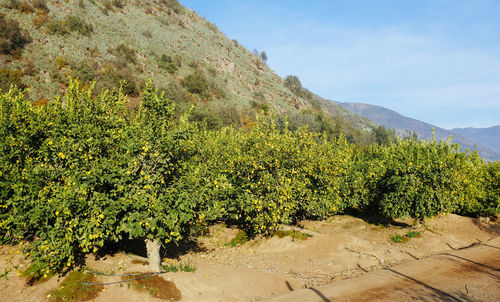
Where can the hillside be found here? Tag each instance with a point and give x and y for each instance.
(489, 137)
(391, 119)
(185, 55)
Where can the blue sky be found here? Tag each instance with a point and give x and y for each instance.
(434, 60)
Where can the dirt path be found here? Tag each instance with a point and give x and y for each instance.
(470, 274)
(341, 248)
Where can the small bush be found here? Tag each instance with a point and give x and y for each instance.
(21, 6)
(397, 238)
(83, 71)
(111, 77)
(56, 27)
(168, 64)
(125, 52)
(412, 234)
(118, 3)
(12, 38)
(147, 33)
(196, 83)
(76, 23)
(173, 5)
(41, 5)
(107, 6)
(10, 77)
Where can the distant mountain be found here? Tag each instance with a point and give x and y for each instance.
(486, 141)
(489, 137)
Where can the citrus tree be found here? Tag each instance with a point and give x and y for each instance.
(84, 170)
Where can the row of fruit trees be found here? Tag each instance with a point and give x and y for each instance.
(83, 171)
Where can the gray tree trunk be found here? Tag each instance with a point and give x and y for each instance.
(154, 259)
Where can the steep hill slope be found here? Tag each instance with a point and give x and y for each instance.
(184, 55)
(391, 119)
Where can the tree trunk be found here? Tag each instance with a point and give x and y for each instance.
(154, 259)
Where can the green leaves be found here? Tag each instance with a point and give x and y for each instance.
(84, 170)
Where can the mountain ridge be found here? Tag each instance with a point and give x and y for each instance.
(402, 124)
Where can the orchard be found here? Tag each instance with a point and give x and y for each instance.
(83, 171)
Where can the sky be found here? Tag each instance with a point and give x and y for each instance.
(434, 60)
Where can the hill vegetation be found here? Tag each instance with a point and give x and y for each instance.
(186, 56)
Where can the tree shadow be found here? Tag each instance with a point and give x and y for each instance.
(374, 218)
(491, 229)
(137, 247)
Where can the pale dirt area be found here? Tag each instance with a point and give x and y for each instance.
(343, 247)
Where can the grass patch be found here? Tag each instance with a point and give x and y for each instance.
(412, 234)
(72, 289)
(187, 267)
(398, 238)
(293, 234)
(155, 286)
(35, 276)
(239, 239)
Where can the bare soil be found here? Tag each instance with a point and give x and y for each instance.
(343, 247)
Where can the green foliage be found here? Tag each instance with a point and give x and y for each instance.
(239, 239)
(10, 77)
(12, 38)
(69, 24)
(187, 267)
(168, 64)
(56, 27)
(125, 52)
(412, 234)
(292, 234)
(83, 170)
(384, 136)
(78, 24)
(197, 83)
(423, 179)
(397, 238)
(112, 76)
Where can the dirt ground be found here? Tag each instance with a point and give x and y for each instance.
(343, 247)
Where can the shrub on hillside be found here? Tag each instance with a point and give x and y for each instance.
(125, 52)
(22, 6)
(111, 77)
(167, 63)
(10, 77)
(197, 83)
(12, 38)
(118, 3)
(56, 27)
(69, 24)
(76, 23)
(173, 5)
(40, 5)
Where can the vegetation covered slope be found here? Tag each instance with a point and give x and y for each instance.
(184, 55)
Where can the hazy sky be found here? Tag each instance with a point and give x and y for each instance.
(434, 60)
